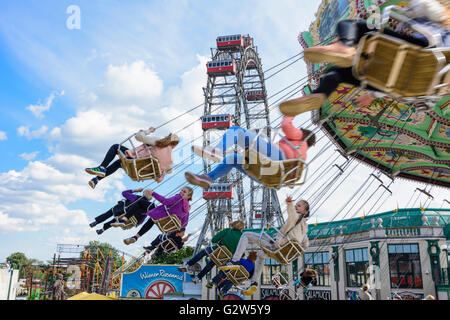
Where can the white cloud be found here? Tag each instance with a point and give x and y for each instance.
(105, 119)
(133, 82)
(39, 109)
(25, 131)
(3, 136)
(38, 196)
(8, 223)
(29, 156)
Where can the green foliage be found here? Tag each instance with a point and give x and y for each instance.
(105, 249)
(174, 257)
(18, 258)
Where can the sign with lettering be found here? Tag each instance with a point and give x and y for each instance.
(269, 293)
(152, 282)
(318, 295)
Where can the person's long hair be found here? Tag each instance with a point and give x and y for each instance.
(237, 225)
(252, 255)
(190, 192)
(167, 141)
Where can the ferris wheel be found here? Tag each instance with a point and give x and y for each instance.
(235, 95)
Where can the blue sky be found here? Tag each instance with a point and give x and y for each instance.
(67, 95)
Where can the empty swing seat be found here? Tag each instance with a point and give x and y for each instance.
(168, 224)
(402, 69)
(286, 253)
(130, 223)
(220, 256)
(271, 173)
(140, 169)
(238, 276)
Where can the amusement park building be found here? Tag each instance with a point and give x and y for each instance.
(406, 249)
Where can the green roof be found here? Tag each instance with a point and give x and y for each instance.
(391, 219)
(401, 218)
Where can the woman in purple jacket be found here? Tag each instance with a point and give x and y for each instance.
(139, 205)
(177, 205)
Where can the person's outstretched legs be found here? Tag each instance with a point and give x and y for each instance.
(105, 169)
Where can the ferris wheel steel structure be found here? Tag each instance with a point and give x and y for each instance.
(229, 94)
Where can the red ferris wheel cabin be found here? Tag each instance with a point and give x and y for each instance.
(221, 67)
(217, 121)
(236, 41)
(219, 191)
(255, 95)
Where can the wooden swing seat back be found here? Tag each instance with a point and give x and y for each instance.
(286, 253)
(169, 245)
(402, 69)
(271, 173)
(238, 276)
(220, 256)
(130, 223)
(168, 224)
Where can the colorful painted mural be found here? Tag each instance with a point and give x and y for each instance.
(153, 282)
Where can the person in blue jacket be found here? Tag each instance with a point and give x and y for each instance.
(221, 280)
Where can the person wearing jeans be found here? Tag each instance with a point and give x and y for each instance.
(299, 138)
(228, 237)
(295, 228)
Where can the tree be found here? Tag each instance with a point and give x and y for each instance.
(174, 257)
(18, 258)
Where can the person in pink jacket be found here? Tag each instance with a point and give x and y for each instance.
(160, 148)
(177, 205)
(298, 142)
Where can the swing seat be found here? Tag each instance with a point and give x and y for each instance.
(140, 169)
(169, 245)
(168, 224)
(132, 222)
(271, 173)
(238, 276)
(402, 69)
(220, 256)
(286, 253)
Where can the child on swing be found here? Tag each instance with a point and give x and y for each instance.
(177, 205)
(228, 237)
(132, 203)
(307, 279)
(295, 228)
(177, 236)
(302, 139)
(224, 284)
(160, 148)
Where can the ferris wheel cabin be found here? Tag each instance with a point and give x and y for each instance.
(221, 67)
(219, 191)
(217, 121)
(255, 95)
(233, 42)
